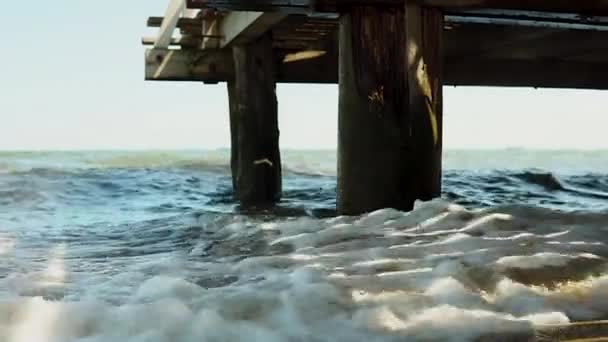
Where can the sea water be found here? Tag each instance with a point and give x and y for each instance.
(150, 246)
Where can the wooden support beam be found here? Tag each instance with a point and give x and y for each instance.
(243, 27)
(256, 160)
(216, 66)
(373, 120)
(211, 27)
(526, 73)
(175, 9)
(590, 7)
(212, 66)
(286, 6)
(389, 140)
(424, 39)
(189, 65)
(234, 136)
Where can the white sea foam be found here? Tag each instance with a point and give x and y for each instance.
(440, 273)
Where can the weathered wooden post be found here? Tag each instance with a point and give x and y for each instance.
(390, 107)
(255, 160)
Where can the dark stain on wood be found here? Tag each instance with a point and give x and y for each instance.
(378, 45)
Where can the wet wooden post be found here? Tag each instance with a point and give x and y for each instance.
(390, 118)
(255, 160)
(424, 32)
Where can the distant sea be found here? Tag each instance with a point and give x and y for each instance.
(150, 246)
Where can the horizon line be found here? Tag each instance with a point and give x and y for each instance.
(327, 149)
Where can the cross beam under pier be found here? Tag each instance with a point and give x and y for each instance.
(216, 66)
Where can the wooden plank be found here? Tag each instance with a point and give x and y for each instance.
(242, 27)
(188, 65)
(175, 9)
(186, 42)
(181, 22)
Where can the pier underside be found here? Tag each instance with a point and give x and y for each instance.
(391, 59)
(474, 54)
(482, 48)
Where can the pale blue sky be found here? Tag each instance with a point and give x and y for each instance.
(72, 78)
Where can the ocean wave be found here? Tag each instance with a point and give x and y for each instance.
(62, 170)
(439, 273)
(546, 180)
(73, 162)
(179, 188)
(590, 185)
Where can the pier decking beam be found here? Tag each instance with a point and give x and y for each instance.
(390, 107)
(256, 160)
(586, 7)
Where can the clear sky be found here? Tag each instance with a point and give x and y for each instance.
(72, 77)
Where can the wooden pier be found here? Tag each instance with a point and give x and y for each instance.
(390, 58)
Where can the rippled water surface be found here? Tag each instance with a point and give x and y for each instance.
(149, 246)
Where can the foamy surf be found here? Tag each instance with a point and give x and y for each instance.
(439, 273)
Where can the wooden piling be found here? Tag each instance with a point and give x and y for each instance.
(255, 159)
(389, 139)
(424, 33)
